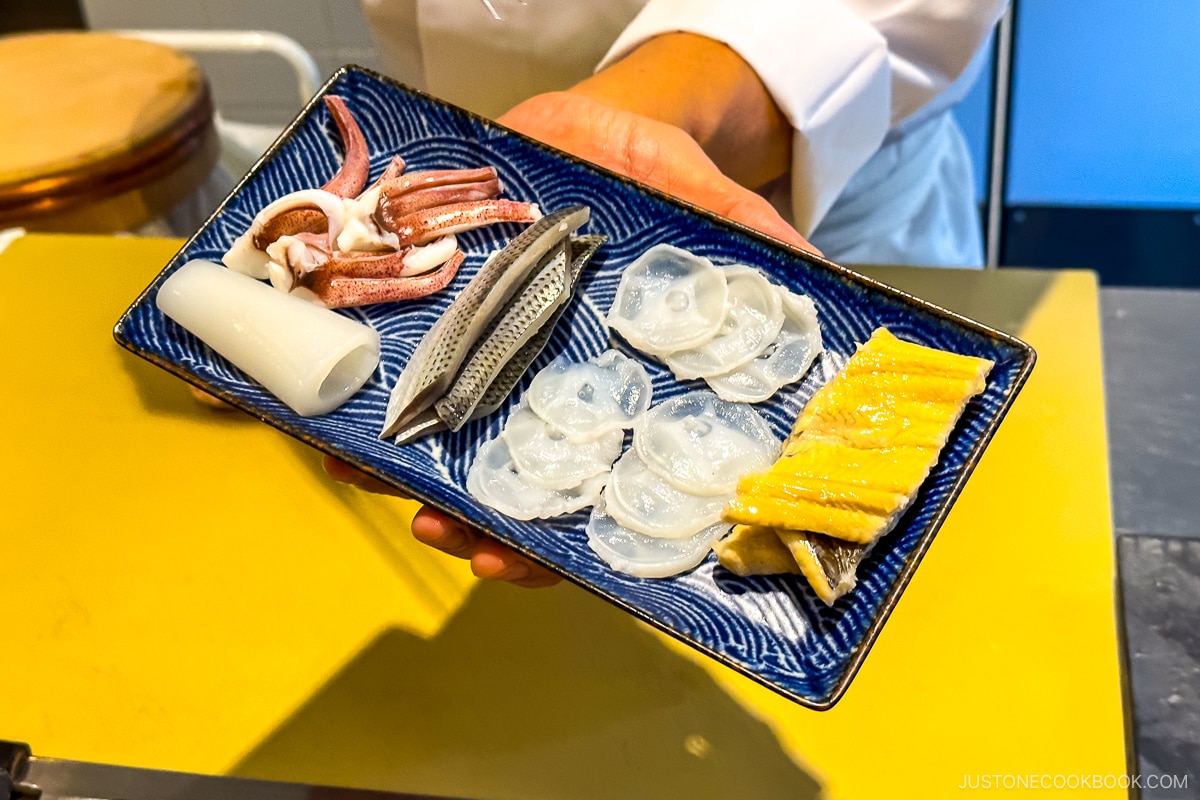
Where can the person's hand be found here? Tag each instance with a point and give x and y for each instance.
(211, 401)
(683, 114)
(489, 559)
(655, 153)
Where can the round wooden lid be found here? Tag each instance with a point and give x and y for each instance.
(90, 120)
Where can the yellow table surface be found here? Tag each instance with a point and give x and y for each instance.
(186, 590)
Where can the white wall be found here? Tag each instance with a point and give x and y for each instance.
(253, 88)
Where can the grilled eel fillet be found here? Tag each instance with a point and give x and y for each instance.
(852, 464)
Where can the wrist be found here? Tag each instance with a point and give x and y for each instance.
(706, 89)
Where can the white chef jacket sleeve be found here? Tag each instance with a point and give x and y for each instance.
(828, 65)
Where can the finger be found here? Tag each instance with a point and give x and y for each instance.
(206, 399)
(753, 211)
(493, 561)
(653, 152)
(344, 473)
(671, 160)
(448, 535)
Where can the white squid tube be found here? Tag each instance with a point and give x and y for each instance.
(311, 358)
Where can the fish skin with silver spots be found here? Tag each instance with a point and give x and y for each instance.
(532, 312)
(583, 248)
(431, 370)
(541, 294)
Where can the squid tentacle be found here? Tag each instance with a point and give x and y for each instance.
(317, 201)
(400, 264)
(342, 245)
(352, 176)
(424, 226)
(248, 253)
(348, 181)
(402, 184)
(339, 291)
(393, 170)
(428, 197)
(291, 223)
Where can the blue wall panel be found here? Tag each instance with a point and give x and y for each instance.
(1106, 104)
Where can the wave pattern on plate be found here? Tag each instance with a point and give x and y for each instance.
(771, 628)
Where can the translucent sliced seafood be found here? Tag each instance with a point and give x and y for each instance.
(495, 481)
(647, 556)
(701, 444)
(587, 399)
(545, 458)
(668, 300)
(642, 501)
(784, 361)
(753, 318)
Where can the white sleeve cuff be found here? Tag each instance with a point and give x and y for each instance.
(825, 66)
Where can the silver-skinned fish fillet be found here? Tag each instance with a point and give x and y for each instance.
(509, 374)
(582, 250)
(537, 300)
(435, 362)
(423, 424)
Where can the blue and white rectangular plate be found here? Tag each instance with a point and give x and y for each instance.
(773, 629)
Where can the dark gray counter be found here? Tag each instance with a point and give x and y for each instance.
(1152, 382)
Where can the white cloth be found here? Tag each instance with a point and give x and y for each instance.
(879, 174)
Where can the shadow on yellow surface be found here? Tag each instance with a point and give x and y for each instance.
(530, 694)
